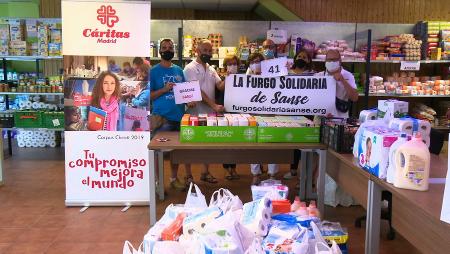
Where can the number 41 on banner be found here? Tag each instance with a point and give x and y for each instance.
(274, 67)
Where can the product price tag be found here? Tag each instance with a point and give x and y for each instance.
(274, 67)
(277, 36)
(410, 65)
(187, 92)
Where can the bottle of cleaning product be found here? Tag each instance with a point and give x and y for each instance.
(391, 168)
(296, 204)
(412, 165)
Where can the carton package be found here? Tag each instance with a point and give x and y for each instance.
(4, 32)
(54, 49)
(373, 149)
(389, 109)
(224, 51)
(16, 30)
(55, 36)
(4, 47)
(43, 34)
(18, 48)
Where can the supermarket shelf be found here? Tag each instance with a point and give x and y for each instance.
(444, 128)
(344, 60)
(18, 93)
(386, 61)
(184, 59)
(31, 129)
(30, 58)
(407, 96)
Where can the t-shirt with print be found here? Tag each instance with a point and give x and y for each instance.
(165, 104)
(341, 93)
(207, 78)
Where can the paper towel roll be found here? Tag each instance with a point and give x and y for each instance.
(21, 144)
(41, 105)
(41, 144)
(22, 104)
(34, 144)
(52, 144)
(36, 98)
(365, 115)
(403, 125)
(28, 144)
(28, 104)
(35, 105)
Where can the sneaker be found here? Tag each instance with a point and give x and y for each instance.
(177, 185)
(289, 175)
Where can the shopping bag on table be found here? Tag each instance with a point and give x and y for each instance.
(129, 249)
(192, 244)
(302, 247)
(225, 200)
(323, 248)
(255, 247)
(195, 200)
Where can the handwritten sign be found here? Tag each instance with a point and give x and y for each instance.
(274, 67)
(277, 36)
(410, 65)
(285, 95)
(187, 92)
(445, 212)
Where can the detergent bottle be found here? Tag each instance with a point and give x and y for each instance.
(412, 165)
(391, 168)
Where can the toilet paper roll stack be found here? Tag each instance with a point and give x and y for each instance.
(411, 125)
(198, 222)
(36, 138)
(370, 114)
(256, 216)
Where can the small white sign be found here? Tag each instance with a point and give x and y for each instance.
(445, 212)
(410, 65)
(277, 36)
(187, 92)
(274, 67)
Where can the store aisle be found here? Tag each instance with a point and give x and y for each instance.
(33, 218)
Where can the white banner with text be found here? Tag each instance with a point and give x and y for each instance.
(106, 28)
(285, 95)
(107, 168)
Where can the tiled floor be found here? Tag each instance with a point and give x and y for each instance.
(34, 219)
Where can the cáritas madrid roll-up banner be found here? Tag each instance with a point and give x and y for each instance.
(106, 102)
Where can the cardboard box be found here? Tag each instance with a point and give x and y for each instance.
(16, 30)
(373, 150)
(18, 48)
(4, 32)
(54, 49)
(4, 47)
(218, 134)
(388, 109)
(288, 135)
(56, 36)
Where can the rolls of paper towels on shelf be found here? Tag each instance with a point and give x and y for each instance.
(256, 216)
(36, 138)
(370, 114)
(410, 125)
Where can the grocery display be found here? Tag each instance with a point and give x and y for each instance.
(30, 83)
(30, 37)
(40, 138)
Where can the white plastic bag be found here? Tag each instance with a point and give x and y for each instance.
(301, 248)
(195, 200)
(225, 200)
(192, 244)
(129, 249)
(255, 247)
(323, 248)
(171, 247)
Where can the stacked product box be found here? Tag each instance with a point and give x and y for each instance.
(218, 128)
(17, 46)
(32, 36)
(287, 129)
(55, 44)
(4, 38)
(43, 35)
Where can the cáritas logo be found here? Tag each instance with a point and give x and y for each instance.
(107, 15)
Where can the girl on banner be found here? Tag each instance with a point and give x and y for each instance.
(104, 107)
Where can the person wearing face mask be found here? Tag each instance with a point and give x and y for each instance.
(269, 49)
(345, 83)
(300, 67)
(231, 64)
(199, 69)
(254, 68)
(165, 113)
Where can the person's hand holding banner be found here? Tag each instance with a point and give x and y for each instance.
(274, 67)
(187, 92)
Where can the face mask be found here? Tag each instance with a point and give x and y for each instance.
(205, 58)
(167, 55)
(255, 67)
(332, 66)
(232, 69)
(300, 63)
(268, 54)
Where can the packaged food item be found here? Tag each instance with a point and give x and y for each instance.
(173, 231)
